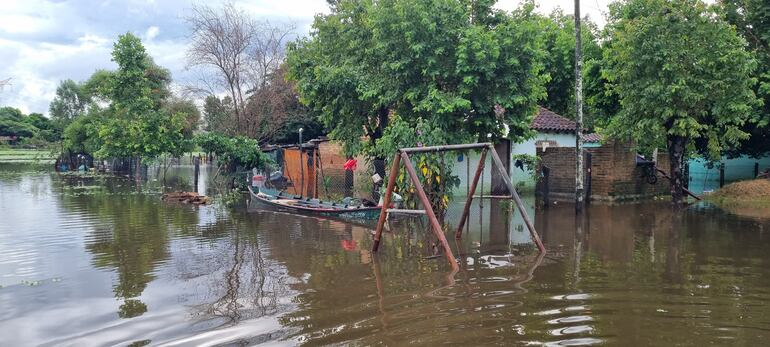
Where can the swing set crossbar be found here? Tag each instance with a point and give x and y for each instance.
(446, 148)
(403, 155)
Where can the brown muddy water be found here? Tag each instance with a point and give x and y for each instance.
(102, 262)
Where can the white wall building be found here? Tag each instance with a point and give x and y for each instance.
(555, 130)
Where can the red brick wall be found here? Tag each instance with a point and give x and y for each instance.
(614, 175)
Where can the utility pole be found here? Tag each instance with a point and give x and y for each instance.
(578, 114)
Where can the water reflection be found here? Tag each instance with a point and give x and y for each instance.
(245, 283)
(130, 234)
(94, 261)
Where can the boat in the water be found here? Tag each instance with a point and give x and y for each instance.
(298, 204)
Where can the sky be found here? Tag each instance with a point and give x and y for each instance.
(44, 42)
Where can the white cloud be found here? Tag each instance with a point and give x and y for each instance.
(151, 33)
(20, 23)
(40, 66)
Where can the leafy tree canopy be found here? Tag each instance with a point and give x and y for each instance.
(70, 102)
(138, 125)
(448, 62)
(29, 129)
(233, 151)
(559, 61)
(218, 114)
(752, 21)
(128, 112)
(683, 77)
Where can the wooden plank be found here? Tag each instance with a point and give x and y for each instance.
(397, 210)
(386, 201)
(683, 188)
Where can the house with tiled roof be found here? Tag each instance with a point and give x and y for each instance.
(552, 130)
(557, 129)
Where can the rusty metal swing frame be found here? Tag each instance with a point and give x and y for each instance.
(403, 155)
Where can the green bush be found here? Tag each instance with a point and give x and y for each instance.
(234, 151)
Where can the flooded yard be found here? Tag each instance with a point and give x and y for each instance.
(89, 261)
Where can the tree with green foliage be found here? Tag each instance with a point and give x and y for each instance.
(141, 120)
(752, 21)
(559, 32)
(449, 63)
(137, 125)
(82, 134)
(684, 79)
(186, 107)
(97, 87)
(14, 123)
(38, 121)
(47, 130)
(32, 129)
(70, 102)
(218, 114)
(233, 151)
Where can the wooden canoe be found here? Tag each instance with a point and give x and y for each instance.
(299, 204)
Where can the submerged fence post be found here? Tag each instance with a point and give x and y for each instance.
(756, 169)
(197, 163)
(721, 175)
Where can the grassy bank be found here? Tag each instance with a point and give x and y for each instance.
(17, 155)
(746, 198)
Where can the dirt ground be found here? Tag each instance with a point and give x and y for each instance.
(754, 190)
(746, 198)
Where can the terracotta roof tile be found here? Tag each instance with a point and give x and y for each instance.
(592, 137)
(548, 121)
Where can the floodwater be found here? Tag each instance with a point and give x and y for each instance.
(103, 262)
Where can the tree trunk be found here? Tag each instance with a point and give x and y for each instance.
(676, 146)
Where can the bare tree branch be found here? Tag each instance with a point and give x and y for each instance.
(221, 40)
(240, 56)
(5, 82)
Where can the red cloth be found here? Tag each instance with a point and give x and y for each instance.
(350, 165)
(348, 245)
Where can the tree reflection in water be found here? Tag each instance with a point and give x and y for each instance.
(130, 234)
(242, 282)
